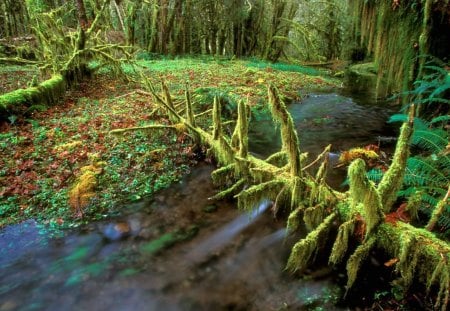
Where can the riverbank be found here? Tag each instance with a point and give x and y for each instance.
(47, 152)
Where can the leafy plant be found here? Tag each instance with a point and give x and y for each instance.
(427, 174)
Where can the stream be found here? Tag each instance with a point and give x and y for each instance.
(230, 261)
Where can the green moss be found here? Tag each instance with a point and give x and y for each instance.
(249, 198)
(392, 180)
(304, 251)
(295, 220)
(278, 159)
(223, 175)
(289, 138)
(393, 37)
(217, 121)
(422, 257)
(314, 215)
(189, 111)
(283, 198)
(364, 196)
(340, 245)
(46, 93)
(231, 191)
(356, 259)
(408, 259)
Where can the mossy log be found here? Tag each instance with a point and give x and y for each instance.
(19, 101)
(359, 213)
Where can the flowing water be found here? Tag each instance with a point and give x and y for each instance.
(231, 261)
(323, 119)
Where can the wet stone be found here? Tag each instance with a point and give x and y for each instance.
(8, 305)
(117, 231)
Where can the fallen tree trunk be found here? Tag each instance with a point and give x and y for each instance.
(19, 101)
(359, 213)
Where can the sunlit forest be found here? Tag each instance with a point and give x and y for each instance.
(224, 155)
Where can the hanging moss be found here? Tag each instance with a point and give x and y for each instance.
(422, 257)
(340, 245)
(250, 197)
(283, 198)
(289, 138)
(231, 191)
(356, 259)
(364, 196)
(279, 159)
(441, 276)
(394, 34)
(223, 175)
(408, 259)
(313, 216)
(305, 250)
(294, 220)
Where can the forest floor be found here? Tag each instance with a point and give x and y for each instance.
(46, 154)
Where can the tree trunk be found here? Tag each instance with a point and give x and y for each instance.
(83, 23)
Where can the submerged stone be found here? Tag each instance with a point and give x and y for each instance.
(117, 231)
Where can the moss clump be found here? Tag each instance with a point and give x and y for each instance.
(84, 188)
(46, 93)
(289, 138)
(340, 245)
(392, 181)
(365, 197)
(356, 259)
(249, 198)
(314, 215)
(305, 250)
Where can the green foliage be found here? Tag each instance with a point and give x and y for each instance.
(431, 90)
(284, 67)
(427, 172)
(204, 96)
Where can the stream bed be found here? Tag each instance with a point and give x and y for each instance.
(227, 261)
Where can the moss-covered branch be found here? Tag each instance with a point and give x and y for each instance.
(393, 179)
(358, 214)
(46, 93)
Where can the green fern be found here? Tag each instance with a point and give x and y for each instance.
(428, 172)
(204, 96)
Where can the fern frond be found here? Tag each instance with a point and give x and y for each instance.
(399, 117)
(433, 140)
(436, 69)
(440, 118)
(375, 175)
(441, 89)
(422, 172)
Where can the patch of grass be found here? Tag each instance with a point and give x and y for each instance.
(285, 67)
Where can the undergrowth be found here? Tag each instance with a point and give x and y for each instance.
(427, 175)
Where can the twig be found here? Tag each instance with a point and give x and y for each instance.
(319, 157)
(147, 127)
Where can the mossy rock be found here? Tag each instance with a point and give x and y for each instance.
(361, 78)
